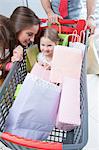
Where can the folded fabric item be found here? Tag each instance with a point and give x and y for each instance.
(69, 108)
(93, 55)
(33, 114)
(66, 63)
(40, 72)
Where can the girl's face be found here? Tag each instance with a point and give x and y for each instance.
(47, 46)
(27, 35)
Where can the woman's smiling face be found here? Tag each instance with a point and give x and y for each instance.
(27, 35)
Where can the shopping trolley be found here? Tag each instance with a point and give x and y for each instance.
(71, 140)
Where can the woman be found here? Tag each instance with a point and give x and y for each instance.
(26, 25)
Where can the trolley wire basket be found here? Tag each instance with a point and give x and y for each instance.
(71, 140)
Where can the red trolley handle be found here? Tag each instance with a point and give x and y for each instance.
(61, 21)
(31, 143)
(79, 25)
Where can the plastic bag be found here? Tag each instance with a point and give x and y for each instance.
(93, 55)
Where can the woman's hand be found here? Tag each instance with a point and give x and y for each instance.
(17, 54)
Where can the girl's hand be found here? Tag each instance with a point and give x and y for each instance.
(47, 66)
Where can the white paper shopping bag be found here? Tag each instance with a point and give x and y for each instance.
(33, 114)
(78, 45)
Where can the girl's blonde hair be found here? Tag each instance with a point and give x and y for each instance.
(51, 34)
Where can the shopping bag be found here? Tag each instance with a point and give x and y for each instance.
(69, 109)
(17, 90)
(66, 62)
(63, 39)
(66, 69)
(66, 38)
(93, 55)
(78, 45)
(31, 57)
(33, 114)
(40, 72)
(78, 41)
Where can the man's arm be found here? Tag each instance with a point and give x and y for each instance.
(52, 17)
(47, 6)
(91, 4)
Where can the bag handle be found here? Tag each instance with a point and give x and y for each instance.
(82, 36)
(65, 37)
(59, 26)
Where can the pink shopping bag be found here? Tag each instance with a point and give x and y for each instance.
(66, 62)
(66, 69)
(40, 71)
(69, 108)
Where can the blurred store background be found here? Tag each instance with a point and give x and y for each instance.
(7, 6)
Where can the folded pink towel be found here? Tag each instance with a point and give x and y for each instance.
(66, 62)
(40, 71)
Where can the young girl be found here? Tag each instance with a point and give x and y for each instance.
(49, 38)
(26, 25)
(7, 44)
